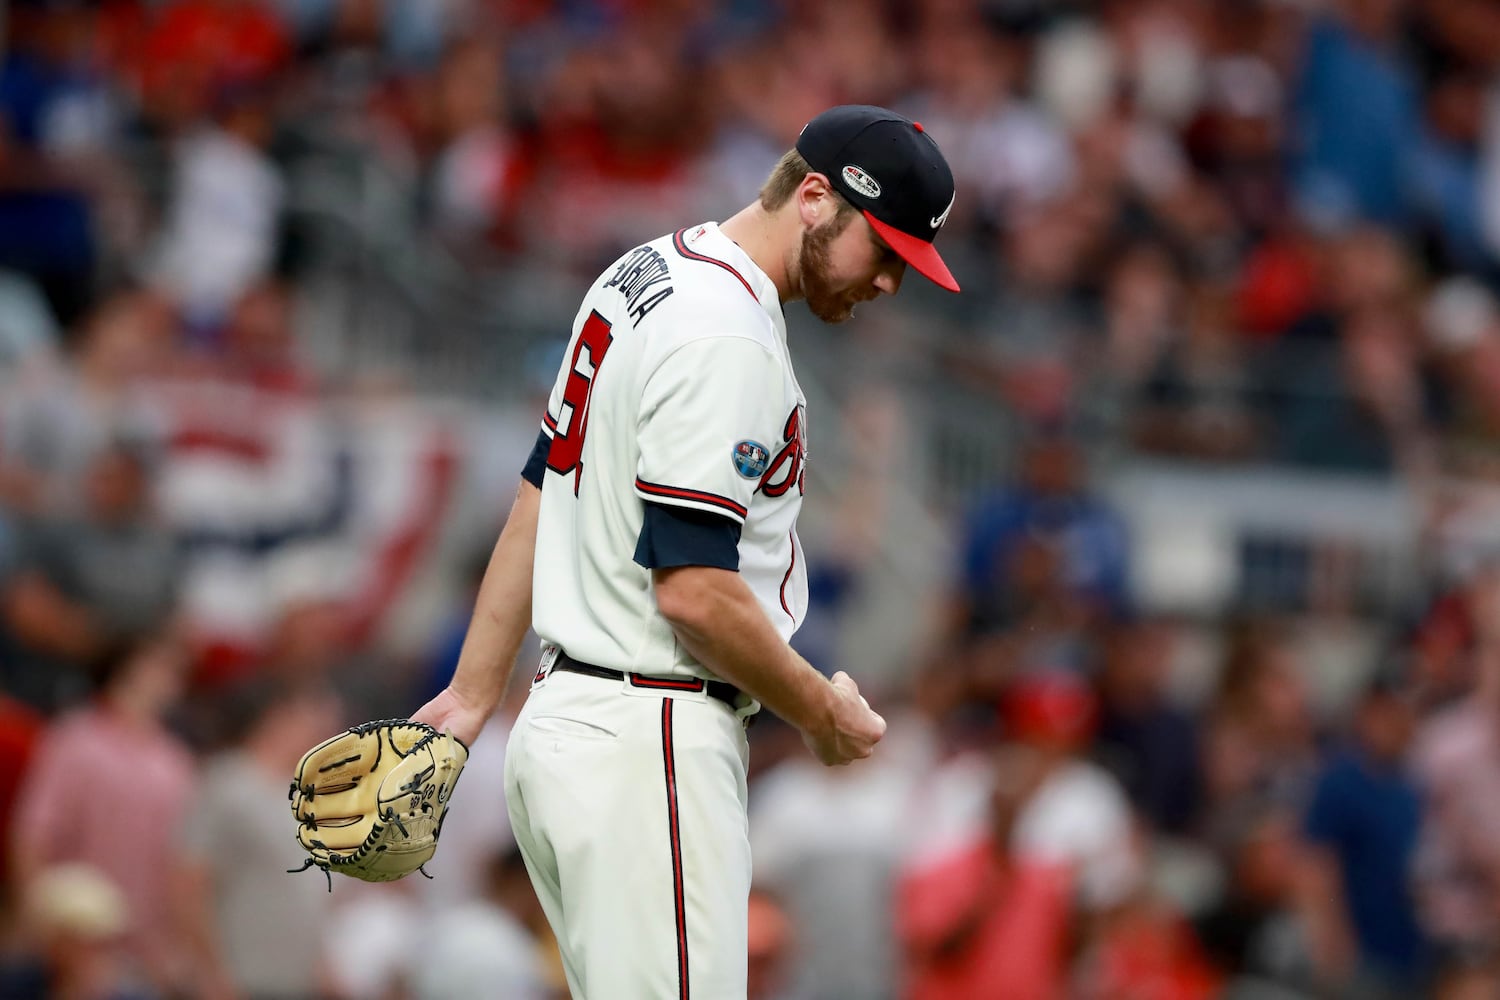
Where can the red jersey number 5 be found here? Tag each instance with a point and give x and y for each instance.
(566, 453)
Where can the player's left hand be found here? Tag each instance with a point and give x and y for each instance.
(450, 712)
(370, 802)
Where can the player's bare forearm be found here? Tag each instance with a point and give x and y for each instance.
(502, 614)
(716, 617)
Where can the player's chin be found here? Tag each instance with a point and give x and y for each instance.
(835, 311)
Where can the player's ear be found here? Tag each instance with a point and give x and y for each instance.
(815, 200)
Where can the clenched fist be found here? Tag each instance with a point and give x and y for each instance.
(849, 729)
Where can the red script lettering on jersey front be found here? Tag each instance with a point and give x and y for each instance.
(566, 453)
(786, 467)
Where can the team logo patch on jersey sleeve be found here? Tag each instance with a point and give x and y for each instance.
(751, 459)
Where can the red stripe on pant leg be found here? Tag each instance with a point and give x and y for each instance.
(678, 901)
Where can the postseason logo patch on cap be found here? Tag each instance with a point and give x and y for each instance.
(861, 181)
(751, 459)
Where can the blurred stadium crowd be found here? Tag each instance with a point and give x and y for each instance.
(1166, 547)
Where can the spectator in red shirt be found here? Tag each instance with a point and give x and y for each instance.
(20, 727)
(982, 922)
(108, 786)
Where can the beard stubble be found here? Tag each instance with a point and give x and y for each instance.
(824, 300)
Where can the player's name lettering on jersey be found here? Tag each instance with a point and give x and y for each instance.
(642, 270)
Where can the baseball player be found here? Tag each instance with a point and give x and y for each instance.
(653, 546)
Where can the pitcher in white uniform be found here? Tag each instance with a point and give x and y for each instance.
(653, 546)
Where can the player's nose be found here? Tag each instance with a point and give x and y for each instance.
(889, 278)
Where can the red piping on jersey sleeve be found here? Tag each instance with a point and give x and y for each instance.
(698, 496)
(792, 538)
(680, 243)
(547, 419)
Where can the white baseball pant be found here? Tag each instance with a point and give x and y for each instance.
(629, 807)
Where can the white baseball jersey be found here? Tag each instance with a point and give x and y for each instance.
(676, 388)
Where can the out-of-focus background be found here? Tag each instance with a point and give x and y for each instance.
(1170, 548)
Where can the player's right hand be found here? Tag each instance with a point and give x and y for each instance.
(851, 729)
(450, 712)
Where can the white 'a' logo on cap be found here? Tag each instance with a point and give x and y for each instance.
(938, 220)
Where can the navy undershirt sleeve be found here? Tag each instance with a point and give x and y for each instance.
(678, 536)
(536, 462)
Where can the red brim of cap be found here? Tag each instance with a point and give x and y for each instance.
(918, 253)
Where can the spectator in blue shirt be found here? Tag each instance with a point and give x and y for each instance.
(1050, 508)
(57, 116)
(1355, 113)
(1361, 834)
(1444, 172)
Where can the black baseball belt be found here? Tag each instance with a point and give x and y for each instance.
(722, 690)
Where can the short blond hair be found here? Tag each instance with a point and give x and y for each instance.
(786, 177)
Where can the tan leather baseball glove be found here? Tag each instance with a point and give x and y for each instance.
(370, 801)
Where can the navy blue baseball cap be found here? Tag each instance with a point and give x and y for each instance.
(892, 171)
